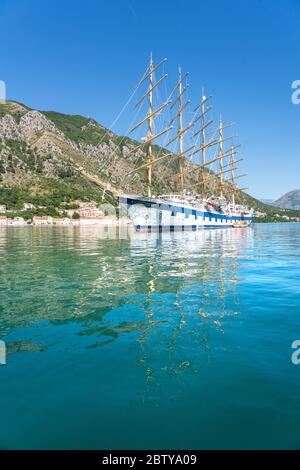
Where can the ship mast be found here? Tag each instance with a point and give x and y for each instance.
(221, 156)
(180, 117)
(150, 128)
(204, 176)
(147, 142)
(149, 119)
(181, 130)
(203, 142)
(233, 173)
(231, 183)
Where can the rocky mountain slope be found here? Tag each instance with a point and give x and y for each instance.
(41, 151)
(290, 200)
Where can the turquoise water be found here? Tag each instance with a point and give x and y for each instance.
(181, 341)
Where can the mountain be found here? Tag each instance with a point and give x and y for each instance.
(41, 151)
(52, 159)
(267, 201)
(290, 200)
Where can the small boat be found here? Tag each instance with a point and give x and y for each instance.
(241, 223)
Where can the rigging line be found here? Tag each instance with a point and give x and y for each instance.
(133, 120)
(125, 136)
(131, 123)
(164, 124)
(160, 118)
(190, 157)
(214, 150)
(167, 115)
(128, 101)
(120, 114)
(166, 135)
(159, 152)
(160, 175)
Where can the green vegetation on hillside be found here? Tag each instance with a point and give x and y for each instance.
(15, 109)
(44, 169)
(78, 128)
(28, 215)
(52, 193)
(273, 214)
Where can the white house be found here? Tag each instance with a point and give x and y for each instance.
(90, 220)
(66, 221)
(42, 220)
(17, 221)
(28, 206)
(2, 208)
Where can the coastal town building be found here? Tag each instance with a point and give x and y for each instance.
(66, 221)
(88, 212)
(85, 209)
(16, 221)
(4, 220)
(104, 221)
(69, 212)
(28, 206)
(89, 209)
(260, 214)
(42, 220)
(90, 220)
(2, 208)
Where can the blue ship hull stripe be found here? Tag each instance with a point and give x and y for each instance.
(187, 211)
(172, 228)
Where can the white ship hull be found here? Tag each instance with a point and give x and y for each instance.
(151, 214)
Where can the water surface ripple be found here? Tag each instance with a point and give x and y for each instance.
(177, 341)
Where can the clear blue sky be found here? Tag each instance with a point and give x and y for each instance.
(84, 57)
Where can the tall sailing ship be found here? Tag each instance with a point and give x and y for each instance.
(196, 207)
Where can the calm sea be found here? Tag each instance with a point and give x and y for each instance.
(179, 341)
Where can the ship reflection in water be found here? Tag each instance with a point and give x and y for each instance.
(84, 274)
(103, 331)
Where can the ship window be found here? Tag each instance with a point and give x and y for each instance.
(216, 220)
